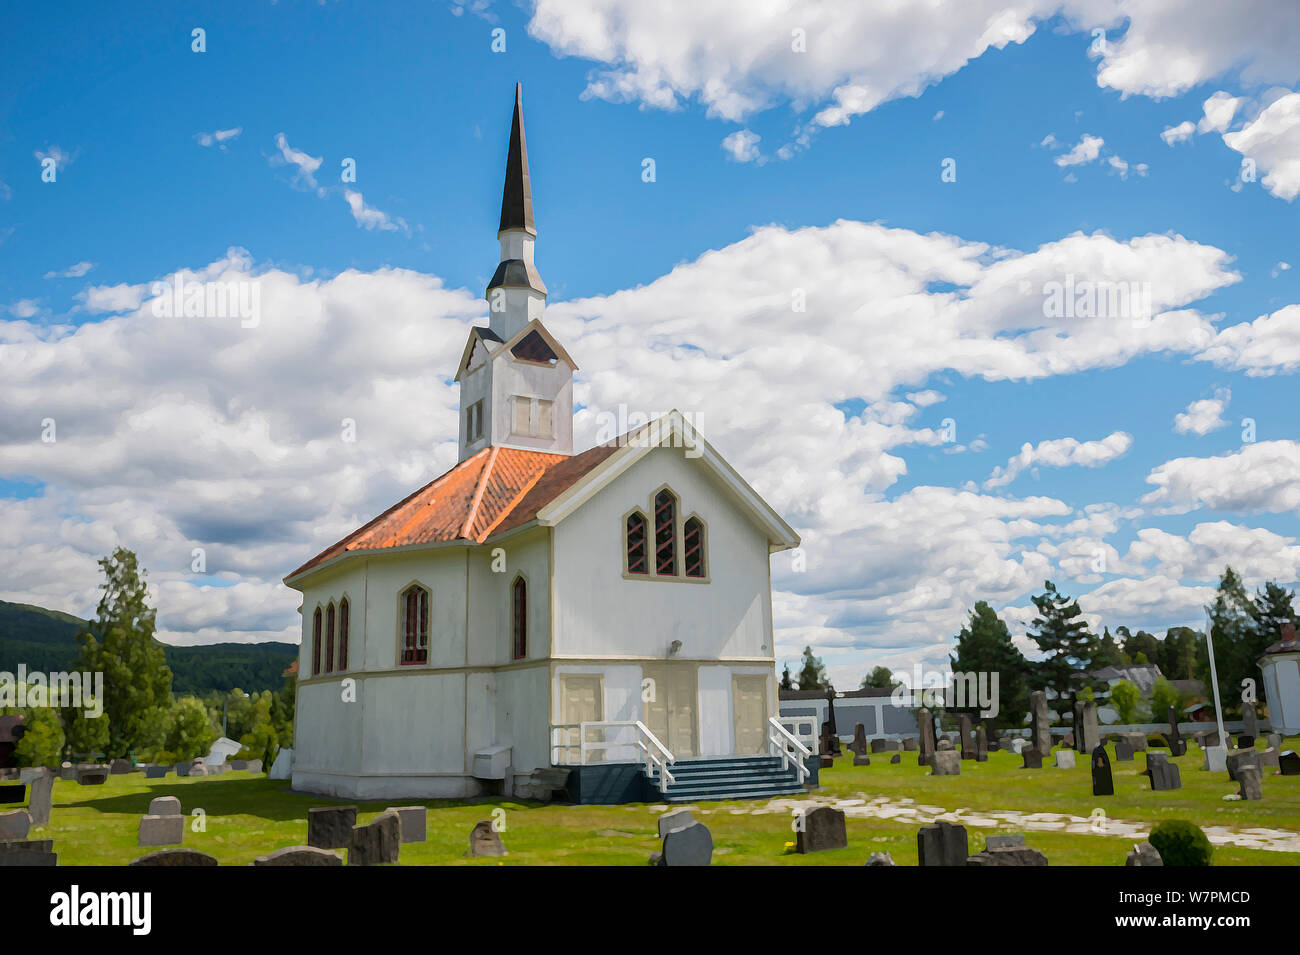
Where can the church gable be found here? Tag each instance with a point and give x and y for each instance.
(533, 347)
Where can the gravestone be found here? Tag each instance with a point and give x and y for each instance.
(676, 819)
(1268, 759)
(41, 800)
(690, 845)
(299, 856)
(164, 806)
(1207, 739)
(822, 829)
(1009, 840)
(877, 744)
(946, 762)
(1033, 758)
(893, 746)
(1251, 785)
(28, 852)
(1011, 856)
(92, 775)
(1245, 741)
(161, 830)
(1162, 773)
(1289, 762)
(1239, 758)
(1143, 854)
(238, 765)
(829, 742)
(199, 768)
(330, 827)
(1040, 735)
(909, 744)
(414, 822)
(182, 769)
(944, 745)
(942, 844)
(1123, 751)
(1274, 741)
(1138, 741)
(68, 772)
(966, 735)
(1250, 721)
(1004, 742)
(1065, 759)
(1103, 784)
(1086, 734)
(859, 746)
(925, 724)
(981, 744)
(484, 840)
(1177, 746)
(176, 857)
(12, 794)
(896, 758)
(155, 772)
(119, 767)
(377, 843)
(1068, 739)
(15, 825)
(1019, 745)
(254, 766)
(879, 858)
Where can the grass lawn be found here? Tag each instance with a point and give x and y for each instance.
(247, 816)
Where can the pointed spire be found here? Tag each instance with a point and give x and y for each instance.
(517, 197)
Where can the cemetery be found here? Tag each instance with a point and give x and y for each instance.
(930, 807)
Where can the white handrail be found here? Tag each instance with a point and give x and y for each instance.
(784, 742)
(655, 756)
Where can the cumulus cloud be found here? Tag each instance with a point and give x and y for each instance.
(1084, 151)
(1272, 141)
(1261, 477)
(1267, 346)
(742, 146)
(112, 298)
(1204, 416)
(1178, 134)
(1061, 453)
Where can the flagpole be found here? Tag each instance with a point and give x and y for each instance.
(1214, 681)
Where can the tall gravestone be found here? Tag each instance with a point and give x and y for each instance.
(967, 740)
(981, 744)
(859, 745)
(1250, 720)
(1086, 735)
(1177, 745)
(1103, 784)
(925, 724)
(942, 844)
(41, 799)
(1041, 734)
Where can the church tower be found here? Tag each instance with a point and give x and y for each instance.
(516, 381)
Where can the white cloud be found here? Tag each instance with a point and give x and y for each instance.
(220, 137)
(1084, 151)
(1180, 133)
(1272, 141)
(742, 146)
(1219, 110)
(72, 271)
(1261, 477)
(368, 217)
(1061, 453)
(1203, 416)
(112, 298)
(1268, 345)
(305, 164)
(25, 308)
(62, 158)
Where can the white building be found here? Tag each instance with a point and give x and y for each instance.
(530, 590)
(1280, 666)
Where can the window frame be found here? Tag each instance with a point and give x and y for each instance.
(345, 631)
(331, 617)
(627, 546)
(474, 422)
(519, 618)
(679, 542)
(403, 621)
(703, 575)
(315, 641)
(674, 531)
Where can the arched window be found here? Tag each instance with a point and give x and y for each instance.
(415, 625)
(329, 638)
(637, 560)
(693, 544)
(315, 643)
(666, 533)
(345, 624)
(519, 617)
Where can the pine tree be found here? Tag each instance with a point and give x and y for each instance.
(812, 675)
(1178, 654)
(787, 683)
(984, 646)
(1109, 653)
(1070, 649)
(1233, 627)
(880, 678)
(121, 645)
(1272, 607)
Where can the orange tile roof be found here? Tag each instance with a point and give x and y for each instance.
(496, 490)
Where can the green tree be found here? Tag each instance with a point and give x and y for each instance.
(1236, 639)
(812, 675)
(787, 683)
(1272, 607)
(880, 678)
(191, 733)
(1140, 644)
(1070, 649)
(1109, 652)
(85, 735)
(43, 740)
(120, 644)
(984, 646)
(1178, 653)
(1164, 695)
(1127, 700)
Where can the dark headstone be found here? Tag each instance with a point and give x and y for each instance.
(1250, 721)
(120, 767)
(377, 843)
(415, 822)
(826, 761)
(1162, 773)
(1289, 762)
(909, 744)
(822, 828)
(484, 840)
(877, 744)
(1123, 751)
(28, 852)
(859, 744)
(330, 827)
(942, 844)
(925, 724)
(861, 760)
(14, 825)
(299, 856)
(1239, 758)
(828, 743)
(41, 800)
(92, 775)
(1177, 747)
(981, 744)
(1102, 782)
(1251, 785)
(1032, 757)
(1143, 854)
(156, 772)
(1040, 736)
(1245, 741)
(1011, 856)
(176, 857)
(967, 737)
(692, 845)
(896, 758)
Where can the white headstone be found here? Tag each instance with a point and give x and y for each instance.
(282, 768)
(221, 751)
(1065, 759)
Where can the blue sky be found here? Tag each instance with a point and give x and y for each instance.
(414, 93)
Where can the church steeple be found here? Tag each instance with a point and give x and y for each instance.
(516, 295)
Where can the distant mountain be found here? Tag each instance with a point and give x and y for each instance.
(46, 640)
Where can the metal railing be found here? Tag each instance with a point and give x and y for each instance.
(652, 754)
(781, 742)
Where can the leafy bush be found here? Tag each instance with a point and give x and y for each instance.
(1181, 843)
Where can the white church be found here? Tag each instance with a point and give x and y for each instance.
(533, 614)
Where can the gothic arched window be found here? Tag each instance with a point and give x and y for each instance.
(693, 544)
(345, 624)
(519, 617)
(666, 533)
(415, 625)
(315, 643)
(329, 638)
(637, 560)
